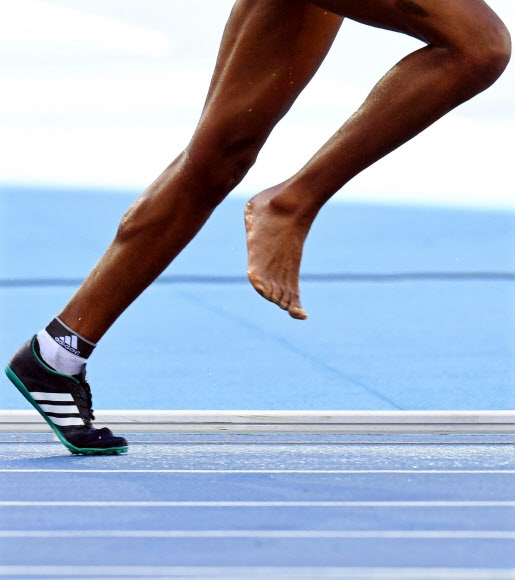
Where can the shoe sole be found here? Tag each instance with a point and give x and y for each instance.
(16, 381)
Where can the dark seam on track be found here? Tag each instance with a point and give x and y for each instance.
(239, 279)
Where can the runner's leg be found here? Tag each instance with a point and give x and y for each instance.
(269, 52)
(467, 49)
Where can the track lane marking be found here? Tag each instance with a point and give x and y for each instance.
(306, 504)
(263, 572)
(271, 534)
(278, 471)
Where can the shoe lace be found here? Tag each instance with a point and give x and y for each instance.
(85, 394)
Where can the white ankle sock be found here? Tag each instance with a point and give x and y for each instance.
(57, 357)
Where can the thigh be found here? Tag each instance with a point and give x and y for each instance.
(437, 22)
(269, 52)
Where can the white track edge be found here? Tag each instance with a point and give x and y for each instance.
(281, 422)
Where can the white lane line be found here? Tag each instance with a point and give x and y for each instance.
(278, 471)
(261, 572)
(263, 504)
(277, 534)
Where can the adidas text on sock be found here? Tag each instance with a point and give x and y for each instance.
(64, 349)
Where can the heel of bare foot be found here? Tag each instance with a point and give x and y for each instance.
(275, 239)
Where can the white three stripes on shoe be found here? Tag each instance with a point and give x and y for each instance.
(62, 409)
(57, 397)
(66, 422)
(66, 411)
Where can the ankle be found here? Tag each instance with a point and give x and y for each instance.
(294, 202)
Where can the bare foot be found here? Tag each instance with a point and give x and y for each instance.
(275, 239)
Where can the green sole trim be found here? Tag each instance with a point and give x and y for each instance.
(75, 450)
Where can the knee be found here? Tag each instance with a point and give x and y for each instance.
(223, 162)
(225, 146)
(487, 54)
(235, 156)
(493, 56)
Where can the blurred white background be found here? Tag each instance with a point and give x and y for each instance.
(105, 93)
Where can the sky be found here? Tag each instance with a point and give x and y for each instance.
(105, 93)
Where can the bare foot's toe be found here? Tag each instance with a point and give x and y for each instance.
(295, 309)
(276, 294)
(268, 290)
(285, 301)
(298, 313)
(260, 287)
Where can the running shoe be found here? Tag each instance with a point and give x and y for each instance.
(64, 401)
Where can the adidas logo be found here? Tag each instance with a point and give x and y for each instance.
(70, 343)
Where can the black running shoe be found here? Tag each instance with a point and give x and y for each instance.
(64, 401)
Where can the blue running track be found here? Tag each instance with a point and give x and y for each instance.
(410, 308)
